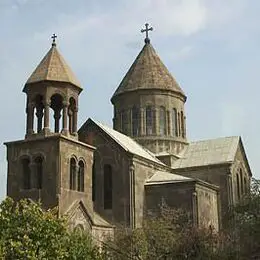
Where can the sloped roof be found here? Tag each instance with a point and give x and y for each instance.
(127, 143)
(53, 67)
(148, 72)
(161, 177)
(208, 152)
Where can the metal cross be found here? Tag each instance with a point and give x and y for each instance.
(54, 36)
(146, 30)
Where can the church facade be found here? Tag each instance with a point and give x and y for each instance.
(102, 177)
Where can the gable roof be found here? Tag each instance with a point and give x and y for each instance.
(208, 152)
(148, 72)
(53, 67)
(127, 143)
(162, 177)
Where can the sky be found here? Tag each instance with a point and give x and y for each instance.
(210, 46)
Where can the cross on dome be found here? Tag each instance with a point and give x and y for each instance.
(146, 30)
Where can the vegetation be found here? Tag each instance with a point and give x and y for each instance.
(28, 232)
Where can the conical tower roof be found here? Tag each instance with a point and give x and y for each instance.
(53, 67)
(148, 72)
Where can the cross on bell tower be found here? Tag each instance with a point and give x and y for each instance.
(146, 30)
(54, 36)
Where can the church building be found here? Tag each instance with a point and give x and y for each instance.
(102, 177)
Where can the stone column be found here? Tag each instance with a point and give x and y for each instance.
(75, 121)
(65, 118)
(39, 114)
(57, 116)
(195, 208)
(30, 117)
(46, 128)
(132, 195)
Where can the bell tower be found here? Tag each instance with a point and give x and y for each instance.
(149, 104)
(50, 164)
(52, 89)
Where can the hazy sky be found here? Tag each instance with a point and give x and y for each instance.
(210, 46)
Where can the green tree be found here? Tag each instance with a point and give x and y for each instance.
(29, 232)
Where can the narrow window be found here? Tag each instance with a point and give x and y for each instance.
(93, 181)
(72, 174)
(124, 121)
(162, 121)
(149, 116)
(241, 182)
(174, 122)
(245, 185)
(135, 121)
(26, 174)
(238, 187)
(182, 125)
(81, 176)
(39, 170)
(108, 182)
(179, 124)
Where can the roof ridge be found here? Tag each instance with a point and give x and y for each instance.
(121, 143)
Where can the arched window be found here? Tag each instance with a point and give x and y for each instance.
(179, 124)
(108, 187)
(81, 176)
(149, 116)
(26, 173)
(238, 187)
(124, 119)
(241, 181)
(162, 121)
(73, 174)
(245, 185)
(135, 121)
(39, 171)
(174, 122)
(182, 125)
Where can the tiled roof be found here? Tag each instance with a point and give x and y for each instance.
(208, 152)
(161, 177)
(148, 72)
(127, 143)
(53, 67)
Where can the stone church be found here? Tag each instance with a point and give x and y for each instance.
(102, 177)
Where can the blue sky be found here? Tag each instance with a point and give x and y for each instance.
(211, 47)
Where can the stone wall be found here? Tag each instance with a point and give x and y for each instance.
(48, 149)
(208, 206)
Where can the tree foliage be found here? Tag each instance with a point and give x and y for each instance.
(29, 232)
